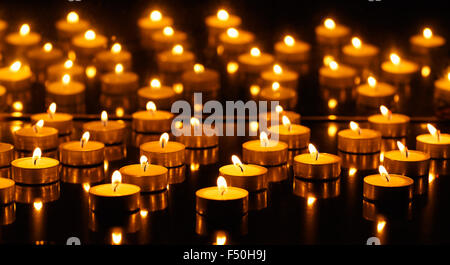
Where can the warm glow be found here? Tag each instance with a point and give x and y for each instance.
(116, 238)
(24, 30)
(356, 42)
(329, 23)
(279, 109)
(332, 130)
(14, 67)
(39, 124)
(381, 157)
(48, 47)
(119, 68)
(37, 205)
(221, 185)
(232, 33)
(89, 35)
(144, 162)
(327, 59)
(333, 65)
(427, 33)
(84, 139)
(286, 121)
(313, 152)
(255, 52)
(277, 69)
(221, 238)
(332, 103)
(352, 171)
(37, 153)
(52, 109)
(116, 48)
(143, 213)
(104, 117)
(264, 139)
(194, 166)
(254, 90)
(72, 17)
(163, 140)
(155, 83)
(237, 162)
(395, 59)
(403, 149)
(199, 68)
(71, 55)
(383, 173)
(275, 86)
(66, 79)
(194, 122)
(222, 15)
(289, 40)
(91, 71)
(431, 177)
(425, 71)
(155, 15)
(355, 127)
(372, 81)
(17, 106)
(311, 200)
(448, 76)
(178, 88)
(380, 226)
(68, 64)
(151, 106)
(168, 31)
(86, 187)
(177, 49)
(254, 125)
(232, 67)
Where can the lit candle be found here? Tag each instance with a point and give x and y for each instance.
(152, 120)
(285, 77)
(221, 201)
(6, 155)
(235, 42)
(201, 79)
(389, 124)
(56, 71)
(246, 176)
(65, 92)
(105, 131)
(119, 82)
(197, 135)
(162, 96)
(334, 75)
(16, 77)
(41, 57)
(330, 33)
(153, 22)
(255, 61)
(82, 153)
(7, 192)
(442, 88)
(63, 122)
(35, 169)
(148, 177)
(164, 152)
(114, 197)
(426, 42)
(175, 61)
(88, 44)
(28, 138)
(374, 93)
(107, 60)
(219, 23)
(359, 54)
(317, 166)
(407, 162)
(436, 144)
(295, 135)
(285, 96)
(18, 43)
(358, 140)
(71, 26)
(265, 152)
(168, 37)
(398, 70)
(389, 188)
(292, 51)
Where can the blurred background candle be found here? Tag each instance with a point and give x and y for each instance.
(292, 52)
(148, 177)
(293, 116)
(406, 162)
(174, 62)
(201, 79)
(253, 63)
(264, 152)
(398, 70)
(152, 120)
(162, 96)
(87, 45)
(164, 152)
(426, 42)
(42, 57)
(332, 34)
(16, 77)
(56, 71)
(105, 131)
(35, 169)
(82, 153)
(442, 88)
(107, 60)
(359, 54)
(235, 42)
(168, 37)
(246, 176)
(334, 75)
(18, 43)
(69, 27)
(436, 144)
(374, 93)
(286, 96)
(285, 77)
(389, 124)
(65, 92)
(63, 122)
(29, 138)
(119, 82)
(219, 23)
(150, 24)
(317, 166)
(358, 140)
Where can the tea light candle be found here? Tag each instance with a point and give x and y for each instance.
(114, 197)
(358, 140)
(152, 120)
(442, 88)
(221, 200)
(107, 132)
(436, 144)
(162, 96)
(148, 177)
(317, 166)
(284, 77)
(119, 82)
(106, 61)
(196, 135)
(255, 61)
(16, 77)
(71, 26)
(6, 154)
(389, 124)
(41, 57)
(176, 60)
(334, 75)
(82, 153)
(35, 170)
(407, 162)
(164, 152)
(22, 41)
(63, 122)
(7, 191)
(249, 177)
(374, 93)
(66, 91)
(388, 187)
(57, 71)
(219, 23)
(200, 79)
(286, 96)
(28, 138)
(331, 33)
(292, 51)
(426, 42)
(359, 54)
(168, 37)
(87, 45)
(235, 42)
(152, 23)
(295, 135)
(399, 70)
(265, 152)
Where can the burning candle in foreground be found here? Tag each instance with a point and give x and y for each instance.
(292, 52)
(164, 152)
(247, 176)
(152, 120)
(150, 178)
(16, 76)
(106, 131)
(317, 166)
(436, 144)
(82, 153)
(63, 122)
(265, 152)
(219, 23)
(407, 162)
(358, 140)
(35, 170)
(389, 124)
(359, 54)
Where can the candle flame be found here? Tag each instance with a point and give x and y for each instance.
(168, 31)
(395, 59)
(178, 88)
(72, 17)
(372, 81)
(264, 140)
(48, 47)
(313, 152)
(356, 42)
(279, 109)
(277, 69)
(68, 64)
(177, 49)
(151, 106)
(89, 35)
(355, 127)
(119, 68)
(37, 205)
(221, 238)
(144, 162)
(155, 16)
(232, 67)
(352, 171)
(222, 185)
(163, 140)
(222, 15)
(255, 52)
(15, 66)
(24, 30)
(425, 71)
(199, 68)
(286, 122)
(385, 112)
(104, 118)
(72, 55)
(329, 24)
(116, 179)
(91, 71)
(289, 40)
(66, 79)
(232, 33)
(275, 86)
(37, 153)
(433, 131)
(333, 65)
(84, 139)
(383, 173)
(116, 238)
(194, 122)
(403, 149)
(255, 89)
(327, 59)
(52, 109)
(427, 33)
(116, 48)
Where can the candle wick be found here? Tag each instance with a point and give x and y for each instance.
(104, 123)
(406, 152)
(359, 131)
(116, 186)
(35, 161)
(145, 167)
(438, 134)
(242, 168)
(35, 129)
(317, 156)
(289, 127)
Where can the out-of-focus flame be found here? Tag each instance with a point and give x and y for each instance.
(356, 42)
(177, 49)
(116, 48)
(277, 69)
(222, 15)
(329, 23)
(68, 64)
(199, 68)
(24, 30)
(289, 40)
(15, 66)
(72, 17)
(264, 139)
(372, 81)
(151, 106)
(168, 31)
(427, 33)
(118, 68)
(48, 47)
(255, 52)
(155, 16)
(232, 67)
(89, 35)
(395, 59)
(232, 33)
(275, 86)
(333, 65)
